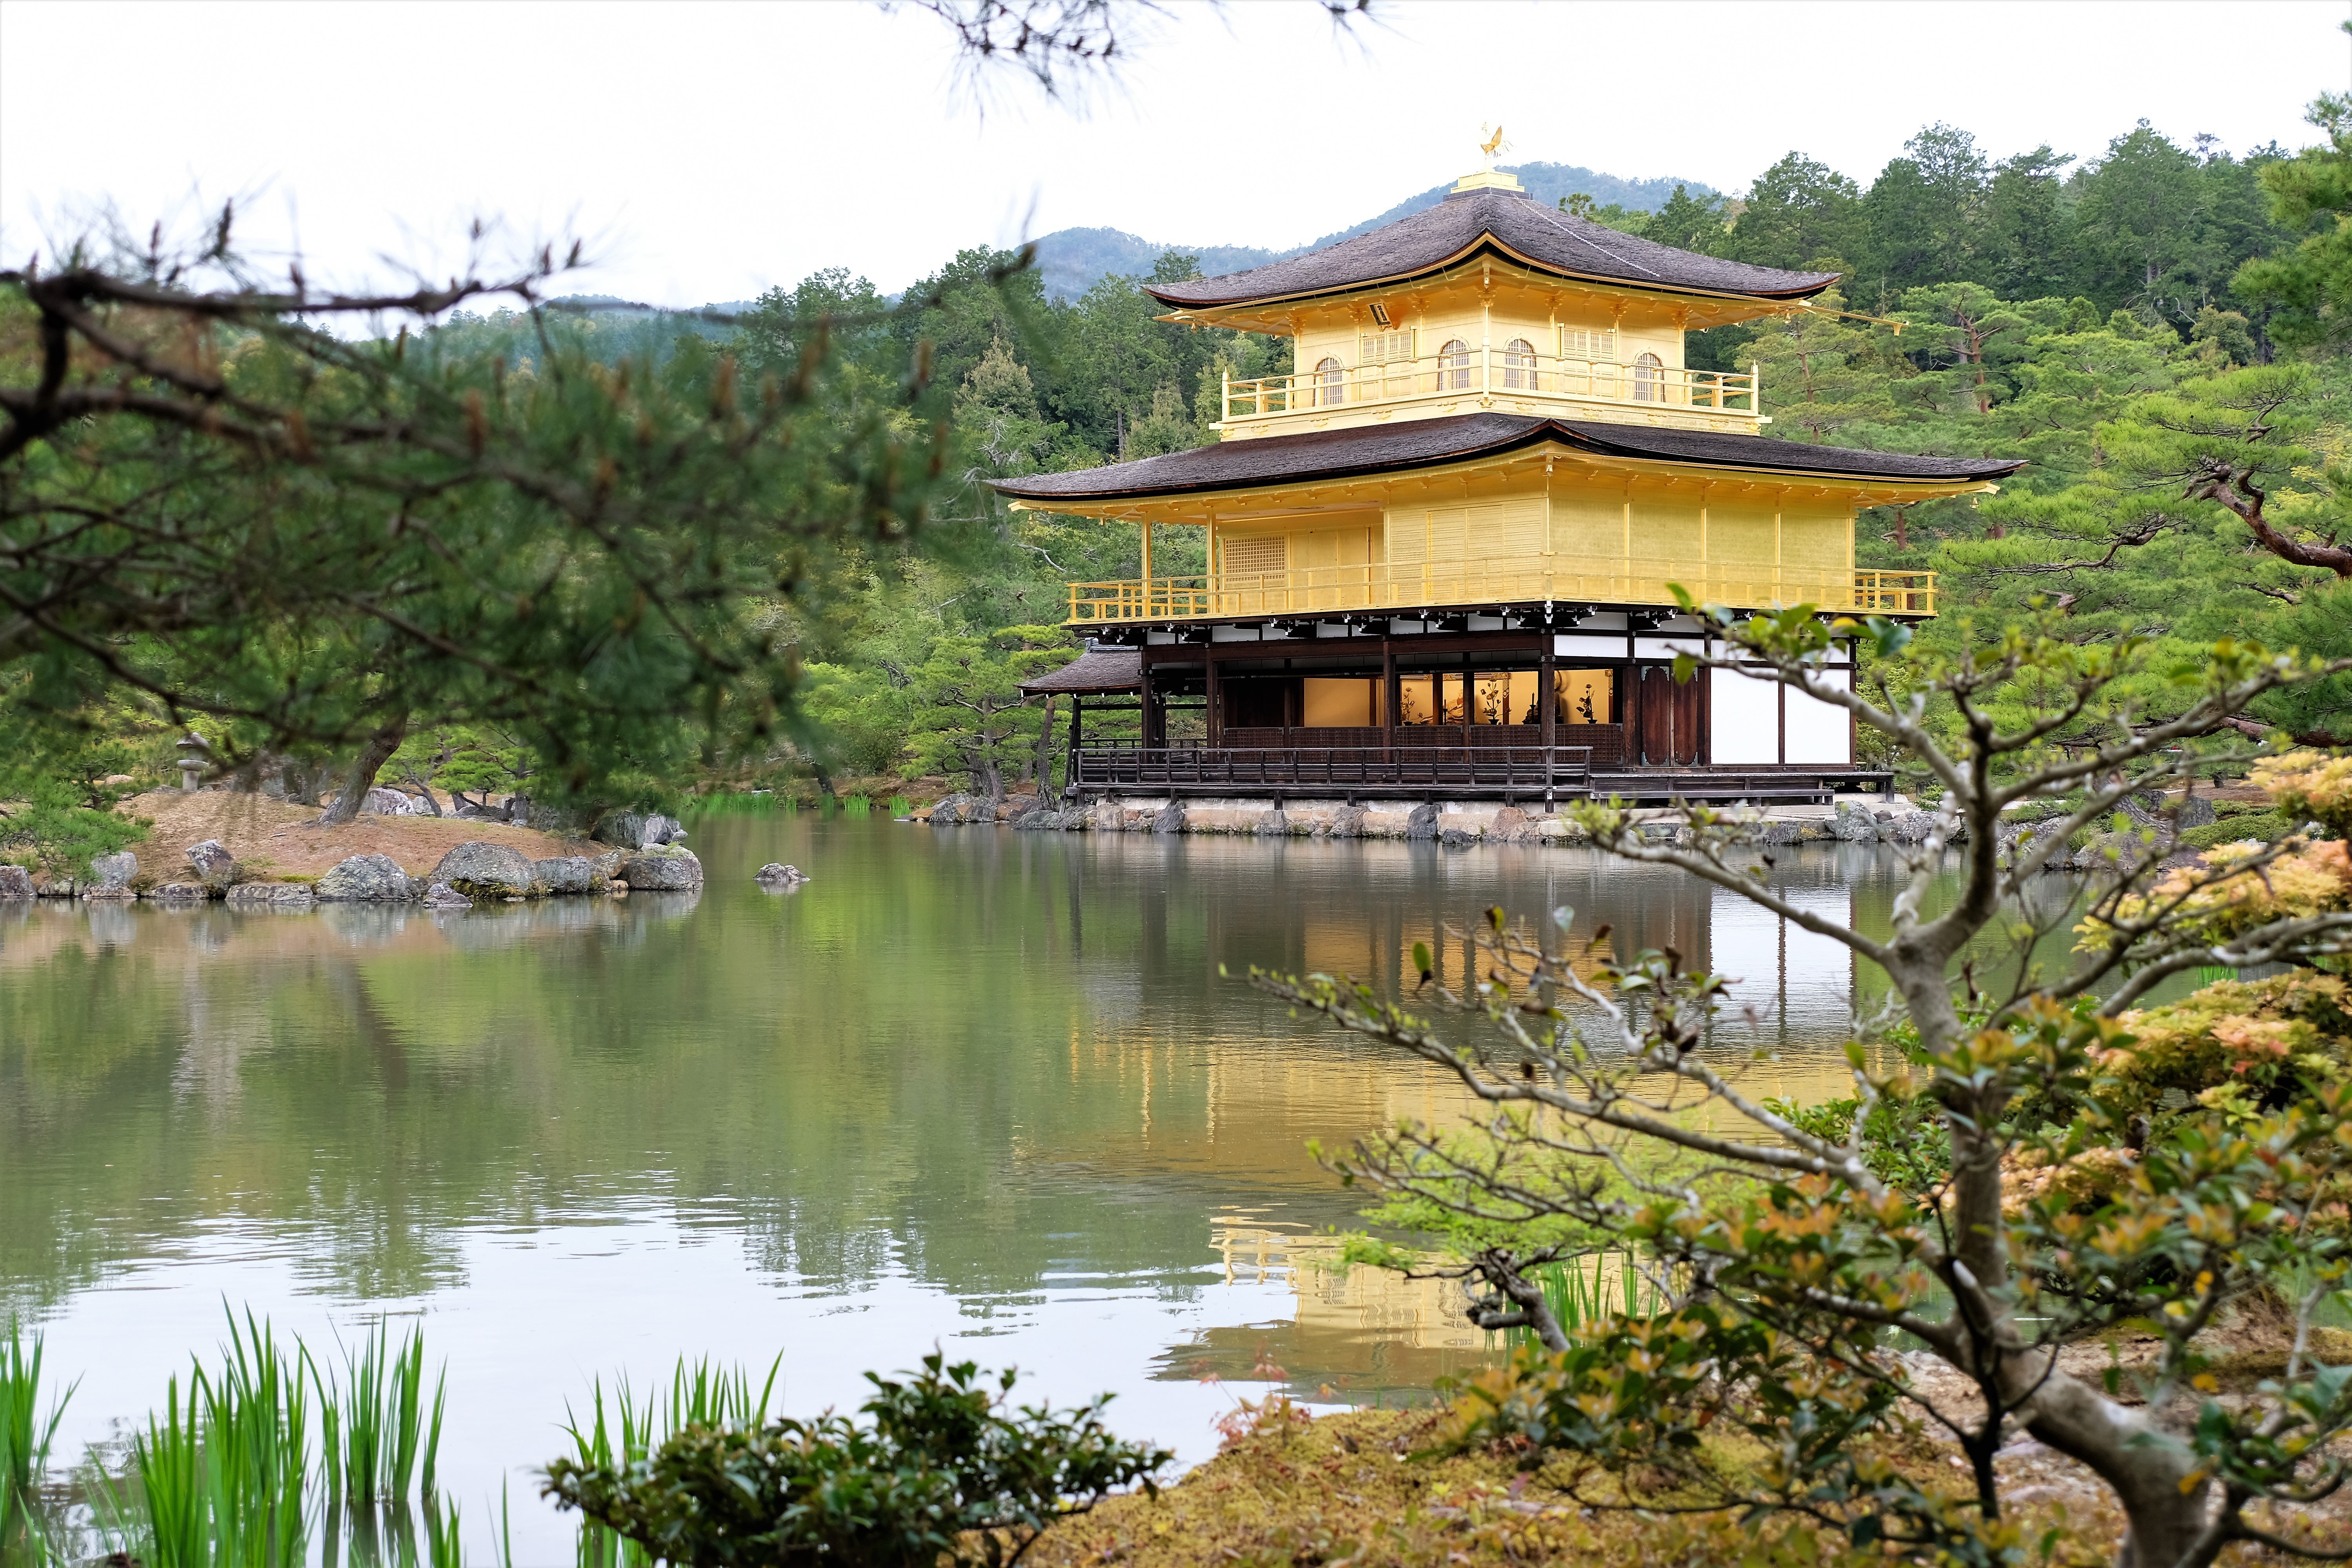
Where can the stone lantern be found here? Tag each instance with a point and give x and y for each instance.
(196, 756)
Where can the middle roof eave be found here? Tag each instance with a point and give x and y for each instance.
(1362, 450)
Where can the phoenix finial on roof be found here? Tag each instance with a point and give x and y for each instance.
(1493, 144)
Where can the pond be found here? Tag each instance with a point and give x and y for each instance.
(968, 1087)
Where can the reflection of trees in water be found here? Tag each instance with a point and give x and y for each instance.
(975, 1058)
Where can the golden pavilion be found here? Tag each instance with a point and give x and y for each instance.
(1440, 549)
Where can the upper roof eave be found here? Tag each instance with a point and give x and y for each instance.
(1817, 283)
(1435, 239)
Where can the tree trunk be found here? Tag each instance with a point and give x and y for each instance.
(365, 767)
(1045, 754)
(432, 806)
(302, 781)
(2167, 1522)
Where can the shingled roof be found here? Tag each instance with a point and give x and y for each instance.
(1098, 669)
(1425, 443)
(1508, 222)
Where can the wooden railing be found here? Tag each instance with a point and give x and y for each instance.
(1490, 370)
(1509, 772)
(1417, 585)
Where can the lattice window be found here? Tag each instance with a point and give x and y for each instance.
(1384, 348)
(1519, 365)
(1596, 344)
(1257, 555)
(1454, 367)
(1649, 379)
(1331, 383)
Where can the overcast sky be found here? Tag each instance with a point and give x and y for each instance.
(709, 150)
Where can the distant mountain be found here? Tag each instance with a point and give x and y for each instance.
(1547, 183)
(1073, 259)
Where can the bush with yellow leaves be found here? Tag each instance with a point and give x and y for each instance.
(2310, 788)
(2275, 1038)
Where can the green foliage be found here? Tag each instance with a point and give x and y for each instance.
(1645, 1401)
(318, 540)
(376, 1429)
(2262, 828)
(2309, 288)
(26, 1436)
(704, 1396)
(1902, 1142)
(936, 1471)
(968, 715)
(60, 824)
(222, 1481)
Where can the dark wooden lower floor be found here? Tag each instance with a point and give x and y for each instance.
(1442, 770)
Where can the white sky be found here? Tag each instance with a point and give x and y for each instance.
(709, 150)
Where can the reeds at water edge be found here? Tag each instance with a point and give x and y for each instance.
(221, 1477)
(223, 1481)
(24, 1439)
(375, 1431)
(1577, 1298)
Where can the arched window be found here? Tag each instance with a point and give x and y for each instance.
(1331, 383)
(1519, 365)
(1649, 379)
(1454, 367)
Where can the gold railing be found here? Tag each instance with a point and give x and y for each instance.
(1507, 376)
(1405, 586)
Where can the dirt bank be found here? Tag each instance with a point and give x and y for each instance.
(278, 841)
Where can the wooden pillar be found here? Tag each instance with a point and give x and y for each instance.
(1549, 695)
(1146, 566)
(1078, 722)
(1388, 700)
(1147, 732)
(1215, 700)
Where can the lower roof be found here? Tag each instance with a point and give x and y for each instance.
(1098, 669)
(1427, 443)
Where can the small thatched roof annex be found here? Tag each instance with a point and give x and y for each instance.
(1096, 671)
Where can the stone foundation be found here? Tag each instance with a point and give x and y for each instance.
(1452, 825)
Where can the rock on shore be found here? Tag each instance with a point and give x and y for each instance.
(570, 874)
(662, 869)
(16, 884)
(481, 870)
(365, 879)
(215, 867)
(111, 876)
(271, 896)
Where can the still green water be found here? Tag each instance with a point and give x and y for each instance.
(969, 1086)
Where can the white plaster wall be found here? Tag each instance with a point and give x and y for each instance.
(1819, 732)
(1747, 720)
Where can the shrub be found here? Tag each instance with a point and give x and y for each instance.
(939, 1471)
(2275, 1038)
(2258, 827)
(2310, 788)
